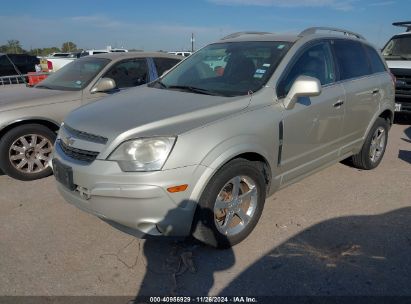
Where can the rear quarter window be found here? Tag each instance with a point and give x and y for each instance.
(351, 59)
(164, 64)
(377, 66)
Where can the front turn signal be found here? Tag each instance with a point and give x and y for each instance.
(179, 188)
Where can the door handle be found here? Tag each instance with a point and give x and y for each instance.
(338, 104)
(375, 91)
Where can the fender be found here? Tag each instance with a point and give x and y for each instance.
(228, 150)
(28, 119)
(383, 108)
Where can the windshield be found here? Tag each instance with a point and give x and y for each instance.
(226, 69)
(399, 46)
(74, 76)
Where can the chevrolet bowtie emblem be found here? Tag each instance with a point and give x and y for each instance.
(69, 141)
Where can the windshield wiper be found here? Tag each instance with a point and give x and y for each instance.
(194, 90)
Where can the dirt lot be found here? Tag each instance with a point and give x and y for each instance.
(339, 232)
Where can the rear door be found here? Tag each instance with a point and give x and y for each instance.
(312, 129)
(362, 89)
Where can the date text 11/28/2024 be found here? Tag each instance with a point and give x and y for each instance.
(183, 299)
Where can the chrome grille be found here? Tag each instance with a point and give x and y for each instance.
(85, 136)
(78, 154)
(403, 84)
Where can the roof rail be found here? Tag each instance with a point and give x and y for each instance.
(313, 30)
(406, 24)
(238, 34)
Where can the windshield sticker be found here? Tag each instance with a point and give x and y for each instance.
(260, 71)
(281, 46)
(256, 75)
(78, 82)
(266, 65)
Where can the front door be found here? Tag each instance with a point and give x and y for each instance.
(312, 129)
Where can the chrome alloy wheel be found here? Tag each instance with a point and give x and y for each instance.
(30, 153)
(377, 144)
(235, 205)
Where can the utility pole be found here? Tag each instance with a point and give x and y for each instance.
(192, 42)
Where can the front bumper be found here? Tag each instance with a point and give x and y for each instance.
(137, 201)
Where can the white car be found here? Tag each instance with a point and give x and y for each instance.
(397, 53)
(181, 53)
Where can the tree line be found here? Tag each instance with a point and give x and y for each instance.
(14, 47)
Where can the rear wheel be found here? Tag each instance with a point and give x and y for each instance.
(374, 146)
(231, 204)
(25, 152)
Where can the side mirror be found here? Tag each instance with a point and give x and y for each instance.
(303, 86)
(104, 85)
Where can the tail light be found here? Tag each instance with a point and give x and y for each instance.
(49, 65)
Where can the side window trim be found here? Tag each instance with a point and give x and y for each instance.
(297, 56)
(152, 70)
(335, 62)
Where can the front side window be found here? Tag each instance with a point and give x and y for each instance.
(76, 75)
(316, 61)
(398, 48)
(129, 73)
(352, 59)
(226, 69)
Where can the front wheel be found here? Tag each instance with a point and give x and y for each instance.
(374, 146)
(231, 204)
(25, 152)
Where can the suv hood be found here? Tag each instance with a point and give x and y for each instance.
(146, 111)
(20, 96)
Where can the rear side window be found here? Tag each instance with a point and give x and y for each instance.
(352, 59)
(376, 64)
(164, 64)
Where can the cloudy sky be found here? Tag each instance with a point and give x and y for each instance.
(167, 25)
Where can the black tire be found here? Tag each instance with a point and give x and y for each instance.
(7, 141)
(204, 225)
(362, 160)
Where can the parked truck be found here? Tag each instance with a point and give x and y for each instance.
(397, 53)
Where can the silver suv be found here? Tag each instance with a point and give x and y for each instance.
(199, 150)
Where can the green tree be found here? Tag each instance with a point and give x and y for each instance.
(12, 47)
(68, 47)
(44, 51)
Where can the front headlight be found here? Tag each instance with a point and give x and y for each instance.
(144, 154)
